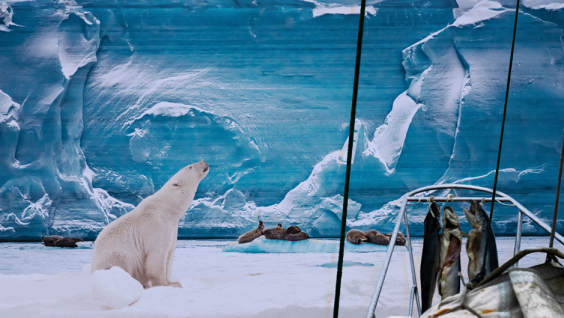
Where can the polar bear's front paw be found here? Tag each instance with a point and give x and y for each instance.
(175, 284)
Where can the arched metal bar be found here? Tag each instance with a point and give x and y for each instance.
(454, 186)
(410, 197)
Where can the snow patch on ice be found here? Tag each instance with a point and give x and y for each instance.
(389, 138)
(88, 173)
(127, 71)
(467, 4)
(41, 208)
(507, 173)
(116, 288)
(8, 108)
(6, 13)
(544, 4)
(379, 216)
(483, 10)
(77, 49)
(112, 207)
(169, 110)
(6, 229)
(322, 10)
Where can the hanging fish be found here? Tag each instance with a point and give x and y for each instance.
(431, 256)
(451, 245)
(476, 244)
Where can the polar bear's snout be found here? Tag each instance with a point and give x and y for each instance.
(202, 166)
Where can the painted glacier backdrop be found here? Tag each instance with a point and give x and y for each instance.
(101, 101)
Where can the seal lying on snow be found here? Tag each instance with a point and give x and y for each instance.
(276, 233)
(400, 239)
(250, 236)
(356, 237)
(378, 238)
(374, 237)
(50, 240)
(60, 241)
(293, 233)
(68, 242)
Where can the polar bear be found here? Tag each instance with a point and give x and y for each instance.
(143, 241)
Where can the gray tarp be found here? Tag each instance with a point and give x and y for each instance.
(536, 292)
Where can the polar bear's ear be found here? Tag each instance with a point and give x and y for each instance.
(176, 184)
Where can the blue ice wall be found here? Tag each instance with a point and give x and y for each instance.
(102, 101)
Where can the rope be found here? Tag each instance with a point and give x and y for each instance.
(482, 273)
(349, 162)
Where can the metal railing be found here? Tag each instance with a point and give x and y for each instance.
(410, 197)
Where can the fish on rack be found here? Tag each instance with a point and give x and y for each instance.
(451, 245)
(476, 244)
(430, 258)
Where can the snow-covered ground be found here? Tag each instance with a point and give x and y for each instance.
(48, 282)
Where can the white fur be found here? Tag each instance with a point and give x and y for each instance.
(143, 241)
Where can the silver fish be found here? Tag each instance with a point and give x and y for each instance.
(430, 258)
(451, 245)
(476, 244)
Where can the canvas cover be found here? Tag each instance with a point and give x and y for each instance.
(535, 292)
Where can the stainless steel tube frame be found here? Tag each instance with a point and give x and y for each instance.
(410, 196)
(372, 308)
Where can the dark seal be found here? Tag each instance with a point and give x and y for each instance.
(400, 239)
(276, 233)
(68, 242)
(250, 236)
(356, 237)
(378, 238)
(293, 229)
(50, 240)
(294, 233)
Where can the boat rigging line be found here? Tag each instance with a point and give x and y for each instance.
(482, 274)
(349, 161)
(554, 216)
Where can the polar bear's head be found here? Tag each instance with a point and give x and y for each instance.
(186, 180)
